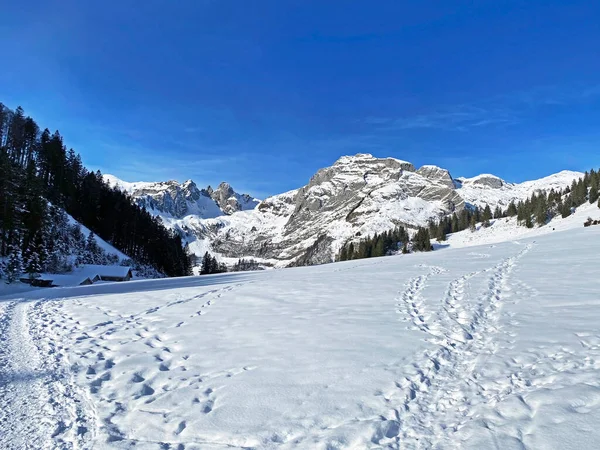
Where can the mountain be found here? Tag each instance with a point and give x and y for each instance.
(357, 196)
(180, 200)
(490, 190)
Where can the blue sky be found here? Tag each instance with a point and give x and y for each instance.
(262, 94)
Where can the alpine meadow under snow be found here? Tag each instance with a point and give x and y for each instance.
(493, 345)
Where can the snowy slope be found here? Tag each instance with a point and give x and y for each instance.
(469, 348)
(99, 241)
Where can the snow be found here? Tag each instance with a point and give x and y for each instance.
(99, 241)
(85, 272)
(71, 279)
(490, 346)
(505, 229)
(481, 195)
(104, 271)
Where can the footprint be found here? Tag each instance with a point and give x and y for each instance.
(208, 407)
(137, 378)
(180, 427)
(163, 367)
(146, 390)
(97, 383)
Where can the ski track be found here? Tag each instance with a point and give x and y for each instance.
(40, 405)
(441, 388)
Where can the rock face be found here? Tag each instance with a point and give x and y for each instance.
(357, 196)
(486, 180)
(230, 201)
(176, 200)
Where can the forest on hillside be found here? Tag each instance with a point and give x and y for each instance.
(39, 178)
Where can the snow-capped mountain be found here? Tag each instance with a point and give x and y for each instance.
(357, 196)
(490, 190)
(177, 200)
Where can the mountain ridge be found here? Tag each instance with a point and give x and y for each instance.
(181, 199)
(356, 196)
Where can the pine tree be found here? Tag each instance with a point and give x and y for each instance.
(206, 266)
(440, 232)
(486, 216)
(343, 254)
(33, 266)
(351, 251)
(498, 213)
(454, 221)
(405, 249)
(512, 210)
(541, 213)
(14, 267)
(473, 223)
(566, 208)
(593, 194)
(379, 248)
(421, 240)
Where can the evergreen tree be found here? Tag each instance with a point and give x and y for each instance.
(206, 266)
(593, 194)
(512, 210)
(343, 254)
(454, 226)
(351, 251)
(541, 213)
(421, 240)
(14, 266)
(486, 216)
(33, 266)
(566, 208)
(379, 248)
(440, 232)
(473, 223)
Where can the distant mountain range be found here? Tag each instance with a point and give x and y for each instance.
(180, 200)
(357, 196)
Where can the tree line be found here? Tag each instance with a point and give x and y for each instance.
(537, 210)
(386, 243)
(38, 172)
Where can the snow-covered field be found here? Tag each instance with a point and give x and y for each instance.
(492, 346)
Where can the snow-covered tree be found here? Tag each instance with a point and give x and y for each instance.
(33, 266)
(14, 267)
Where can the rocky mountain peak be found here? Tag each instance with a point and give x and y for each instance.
(181, 199)
(486, 180)
(437, 175)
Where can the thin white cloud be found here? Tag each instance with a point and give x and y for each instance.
(499, 111)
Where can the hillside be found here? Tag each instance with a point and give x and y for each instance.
(41, 180)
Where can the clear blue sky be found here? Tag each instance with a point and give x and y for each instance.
(264, 93)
